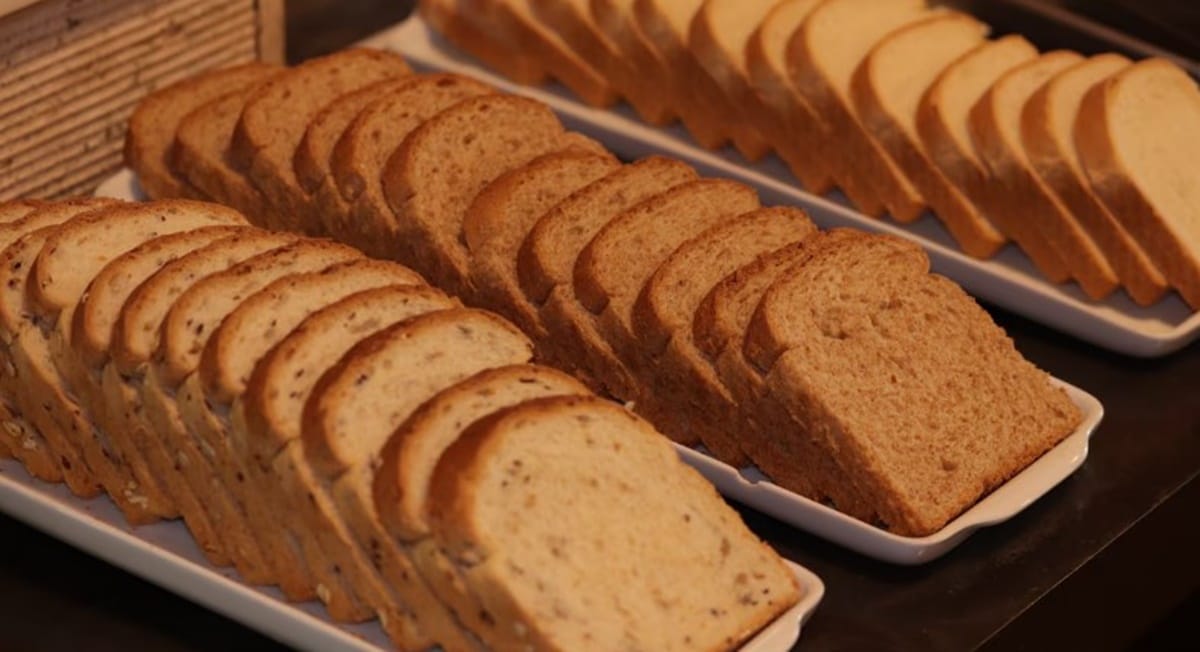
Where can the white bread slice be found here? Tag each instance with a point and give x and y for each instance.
(887, 90)
(785, 118)
(401, 485)
(1047, 131)
(616, 21)
(1137, 134)
(822, 57)
(526, 504)
(477, 38)
(1019, 202)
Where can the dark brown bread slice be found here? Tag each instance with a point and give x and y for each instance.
(401, 485)
(902, 380)
(153, 123)
(364, 147)
(502, 215)
(477, 38)
(277, 115)
(525, 504)
(430, 181)
(685, 386)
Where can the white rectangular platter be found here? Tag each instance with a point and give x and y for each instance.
(1009, 280)
(165, 554)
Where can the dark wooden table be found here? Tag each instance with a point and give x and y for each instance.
(1108, 560)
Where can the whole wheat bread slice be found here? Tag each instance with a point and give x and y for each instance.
(615, 19)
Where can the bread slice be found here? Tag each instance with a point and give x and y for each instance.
(401, 486)
(430, 181)
(153, 123)
(615, 19)
(266, 419)
(13, 210)
(832, 42)
(785, 118)
(1020, 202)
(887, 90)
(685, 390)
(464, 31)
(1047, 131)
(525, 504)
(362, 151)
(504, 212)
(275, 118)
(854, 368)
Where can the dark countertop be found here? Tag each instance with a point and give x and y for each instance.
(1105, 561)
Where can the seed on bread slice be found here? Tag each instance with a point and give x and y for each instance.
(503, 213)
(1142, 171)
(470, 32)
(1047, 131)
(887, 90)
(1019, 202)
(153, 123)
(276, 116)
(526, 502)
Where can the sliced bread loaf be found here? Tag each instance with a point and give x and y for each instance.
(1020, 203)
(887, 90)
(467, 31)
(525, 504)
(615, 19)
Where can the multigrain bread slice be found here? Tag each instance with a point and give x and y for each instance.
(153, 123)
(504, 212)
(1018, 200)
(401, 486)
(466, 31)
(358, 404)
(887, 90)
(785, 118)
(267, 421)
(853, 339)
(1141, 169)
(364, 147)
(430, 181)
(275, 118)
(1047, 131)
(568, 472)
(822, 57)
(684, 384)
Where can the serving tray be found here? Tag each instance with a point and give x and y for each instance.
(1009, 280)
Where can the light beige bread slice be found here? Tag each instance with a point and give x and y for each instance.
(275, 118)
(153, 123)
(267, 419)
(684, 384)
(1019, 202)
(822, 57)
(615, 19)
(467, 32)
(504, 212)
(855, 340)
(1136, 134)
(887, 89)
(570, 472)
(1047, 131)
(364, 147)
(401, 486)
(373, 389)
(430, 181)
(785, 118)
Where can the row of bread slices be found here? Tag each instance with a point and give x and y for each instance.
(1085, 163)
(331, 424)
(834, 362)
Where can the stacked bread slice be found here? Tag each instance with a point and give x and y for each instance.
(901, 105)
(620, 275)
(331, 424)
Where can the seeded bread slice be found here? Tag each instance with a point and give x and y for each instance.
(364, 147)
(467, 32)
(275, 118)
(504, 212)
(401, 485)
(153, 123)
(1020, 202)
(525, 504)
(430, 181)
(785, 118)
(887, 90)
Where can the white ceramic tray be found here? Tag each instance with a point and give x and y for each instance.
(1009, 280)
(165, 554)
